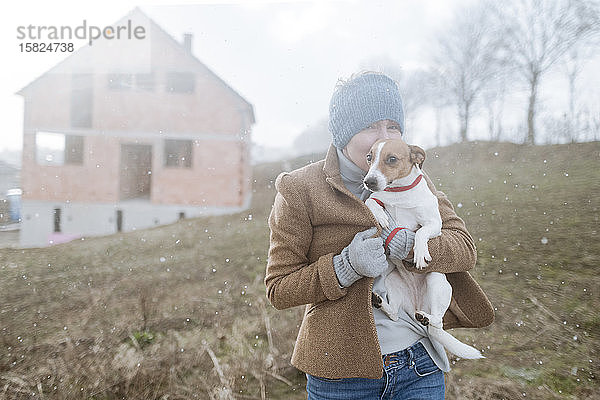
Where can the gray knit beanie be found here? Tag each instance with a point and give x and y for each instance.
(361, 101)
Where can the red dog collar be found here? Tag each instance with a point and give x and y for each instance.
(404, 188)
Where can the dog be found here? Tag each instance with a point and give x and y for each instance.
(396, 180)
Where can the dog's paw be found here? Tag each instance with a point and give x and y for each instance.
(382, 218)
(427, 319)
(419, 261)
(422, 318)
(378, 212)
(421, 256)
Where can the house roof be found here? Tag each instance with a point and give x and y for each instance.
(137, 12)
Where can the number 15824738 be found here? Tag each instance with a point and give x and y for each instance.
(52, 47)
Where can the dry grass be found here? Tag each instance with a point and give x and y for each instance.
(179, 312)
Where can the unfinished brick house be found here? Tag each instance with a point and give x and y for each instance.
(128, 134)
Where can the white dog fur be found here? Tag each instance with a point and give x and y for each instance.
(394, 165)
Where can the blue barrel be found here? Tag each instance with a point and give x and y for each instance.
(14, 204)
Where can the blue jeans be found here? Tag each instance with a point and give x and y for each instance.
(407, 374)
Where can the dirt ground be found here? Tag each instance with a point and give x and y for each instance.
(179, 311)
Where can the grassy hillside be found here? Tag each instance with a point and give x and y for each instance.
(179, 312)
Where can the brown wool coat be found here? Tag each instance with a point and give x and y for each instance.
(314, 217)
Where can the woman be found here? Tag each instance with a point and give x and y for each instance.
(327, 253)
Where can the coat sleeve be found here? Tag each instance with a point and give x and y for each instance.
(454, 250)
(291, 280)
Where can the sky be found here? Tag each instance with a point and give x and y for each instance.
(283, 57)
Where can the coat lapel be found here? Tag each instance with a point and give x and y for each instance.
(331, 169)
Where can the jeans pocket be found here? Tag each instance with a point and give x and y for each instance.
(424, 366)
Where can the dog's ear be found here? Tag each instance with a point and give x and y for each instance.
(417, 155)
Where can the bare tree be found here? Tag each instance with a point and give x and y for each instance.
(573, 66)
(534, 34)
(416, 88)
(578, 123)
(494, 96)
(438, 98)
(464, 61)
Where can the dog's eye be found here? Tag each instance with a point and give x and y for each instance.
(391, 160)
(369, 158)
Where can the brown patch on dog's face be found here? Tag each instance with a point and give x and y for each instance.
(394, 158)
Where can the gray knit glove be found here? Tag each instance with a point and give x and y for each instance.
(397, 241)
(364, 256)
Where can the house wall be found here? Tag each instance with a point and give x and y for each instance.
(96, 180)
(212, 116)
(215, 175)
(210, 109)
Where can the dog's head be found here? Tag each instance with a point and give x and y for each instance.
(391, 159)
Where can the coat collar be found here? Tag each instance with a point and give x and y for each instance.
(333, 177)
(331, 169)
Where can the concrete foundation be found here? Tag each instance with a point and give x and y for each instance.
(40, 227)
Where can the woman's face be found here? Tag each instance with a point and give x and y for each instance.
(360, 144)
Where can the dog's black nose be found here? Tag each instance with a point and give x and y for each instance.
(370, 183)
